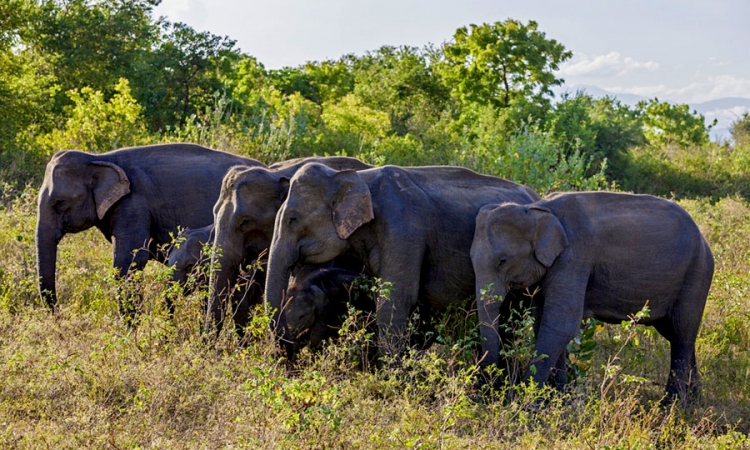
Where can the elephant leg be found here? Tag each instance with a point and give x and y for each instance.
(127, 259)
(683, 378)
(558, 374)
(395, 301)
(560, 321)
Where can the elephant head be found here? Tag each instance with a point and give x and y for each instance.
(513, 247)
(323, 209)
(76, 194)
(244, 218)
(188, 252)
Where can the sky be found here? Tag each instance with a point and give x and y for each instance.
(684, 51)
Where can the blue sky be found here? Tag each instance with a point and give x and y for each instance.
(685, 51)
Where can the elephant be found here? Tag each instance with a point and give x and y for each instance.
(244, 219)
(410, 227)
(319, 299)
(135, 196)
(595, 254)
(188, 252)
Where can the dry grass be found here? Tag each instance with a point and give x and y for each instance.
(80, 378)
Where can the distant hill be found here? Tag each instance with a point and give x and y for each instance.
(725, 110)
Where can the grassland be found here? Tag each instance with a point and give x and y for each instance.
(81, 378)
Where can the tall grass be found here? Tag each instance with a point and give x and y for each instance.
(81, 378)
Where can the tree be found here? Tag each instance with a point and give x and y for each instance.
(741, 130)
(91, 43)
(600, 128)
(185, 73)
(665, 123)
(401, 82)
(502, 62)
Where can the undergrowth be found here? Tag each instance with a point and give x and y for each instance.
(81, 378)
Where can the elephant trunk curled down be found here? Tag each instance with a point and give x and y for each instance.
(412, 227)
(596, 254)
(135, 196)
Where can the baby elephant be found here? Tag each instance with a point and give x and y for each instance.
(189, 252)
(319, 297)
(595, 254)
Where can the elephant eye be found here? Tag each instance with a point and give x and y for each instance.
(501, 262)
(292, 220)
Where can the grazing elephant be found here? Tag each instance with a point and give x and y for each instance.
(411, 227)
(319, 299)
(135, 196)
(244, 218)
(596, 254)
(188, 252)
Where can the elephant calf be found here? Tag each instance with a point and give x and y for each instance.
(318, 300)
(596, 254)
(188, 252)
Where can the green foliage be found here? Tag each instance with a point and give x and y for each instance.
(401, 82)
(97, 125)
(91, 43)
(497, 63)
(184, 74)
(602, 129)
(81, 378)
(667, 124)
(741, 130)
(530, 158)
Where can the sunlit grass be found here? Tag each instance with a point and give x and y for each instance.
(81, 378)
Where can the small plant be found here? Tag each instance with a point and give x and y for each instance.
(612, 370)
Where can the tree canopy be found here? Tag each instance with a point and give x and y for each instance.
(98, 74)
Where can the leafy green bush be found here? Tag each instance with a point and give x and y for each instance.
(98, 125)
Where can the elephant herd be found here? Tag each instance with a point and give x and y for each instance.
(432, 236)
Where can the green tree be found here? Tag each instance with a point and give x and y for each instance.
(665, 123)
(741, 130)
(502, 62)
(97, 125)
(600, 128)
(401, 82)
(91, 43)
(185, 74)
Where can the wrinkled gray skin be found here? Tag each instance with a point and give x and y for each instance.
(188, 253)
(134, 196)
(412, 227)
(244, 219)
(319, 298)
(602, 255)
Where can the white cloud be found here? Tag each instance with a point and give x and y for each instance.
(192, 12)
(610, 65)
(710, 88)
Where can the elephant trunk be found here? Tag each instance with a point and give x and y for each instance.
(47, 238)
(489, 294)
(280, 262)
(224, 274)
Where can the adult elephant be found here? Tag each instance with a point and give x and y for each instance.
(411, 227)
(135, 196)
(244, 219)
(596, 254)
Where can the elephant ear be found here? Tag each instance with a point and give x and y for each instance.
(321, 300)
(283, 188)
(110, 185)
(352, 203)
(549, 236)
